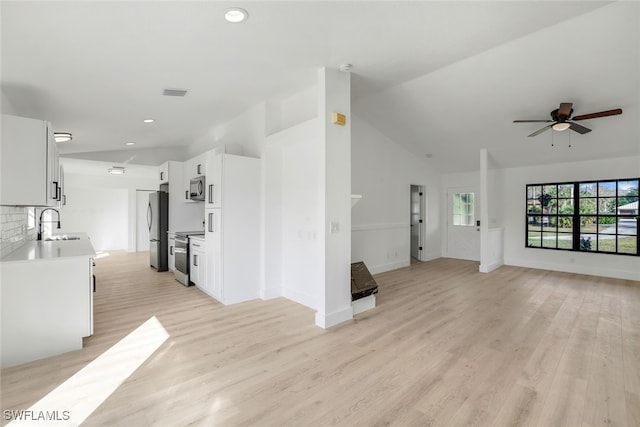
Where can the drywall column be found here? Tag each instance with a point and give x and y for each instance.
(334, 96)
(484, 210)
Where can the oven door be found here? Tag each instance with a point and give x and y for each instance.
(182, 260)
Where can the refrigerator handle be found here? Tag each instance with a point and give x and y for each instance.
(211, 230)
(149, 216)
(210, 193)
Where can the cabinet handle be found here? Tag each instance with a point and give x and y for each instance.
(64, 199)
(171, 250)
(196, 245)
(186, 194)
(210, 193)
(161, 176)
(55, 190)
(198, 170)
(211, 229)
(195, 260)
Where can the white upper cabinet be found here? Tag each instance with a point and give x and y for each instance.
(163, 173)
(193, 168)
(30, 174)
(214, 180)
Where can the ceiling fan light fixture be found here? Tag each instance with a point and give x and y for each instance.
(561, 126)
(116, 170)
(62, 136)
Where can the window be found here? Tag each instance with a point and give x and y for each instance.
(463, 209)
(595, 216)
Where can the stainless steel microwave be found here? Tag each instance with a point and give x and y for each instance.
(196, 189)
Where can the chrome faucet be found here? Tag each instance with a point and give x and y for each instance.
(40, 223)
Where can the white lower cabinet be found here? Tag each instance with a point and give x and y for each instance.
(171, 249)
(197, 262)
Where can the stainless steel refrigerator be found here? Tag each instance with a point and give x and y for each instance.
(158, 221)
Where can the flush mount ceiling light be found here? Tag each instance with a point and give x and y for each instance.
(116, 170)
(148, 120)
(130, 143)
(62, 136)
(235, 15)
(561, 126)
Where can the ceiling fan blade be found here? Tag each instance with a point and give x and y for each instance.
(614, 112)
(539, 131)
(565, 110)
(532, 121)
(579, 128)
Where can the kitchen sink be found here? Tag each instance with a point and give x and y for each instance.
(63, 237)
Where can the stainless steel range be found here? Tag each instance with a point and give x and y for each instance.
(181, 252)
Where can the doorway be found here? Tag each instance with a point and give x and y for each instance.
(416, 221)
(142, 229)
(463, 224)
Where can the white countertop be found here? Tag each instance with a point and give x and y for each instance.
(48, 250)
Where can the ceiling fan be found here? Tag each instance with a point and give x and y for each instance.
(562, 120)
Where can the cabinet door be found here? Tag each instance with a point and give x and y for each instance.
(172, 254)
(25, 163)
(163, 173)
(213, 238)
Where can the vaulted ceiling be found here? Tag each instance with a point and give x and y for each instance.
(441, 78)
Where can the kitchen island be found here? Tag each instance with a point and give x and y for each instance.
(46, 294)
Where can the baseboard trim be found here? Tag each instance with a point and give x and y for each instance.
(576, 268)
(363, 304)
(375, 269)
(270, 293)
(332, 319)
(488, 268)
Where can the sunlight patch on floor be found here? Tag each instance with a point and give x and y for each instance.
(75, 399)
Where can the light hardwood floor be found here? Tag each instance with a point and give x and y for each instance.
(446, 346)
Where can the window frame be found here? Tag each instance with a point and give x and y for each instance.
(466, 205)
(539, 224)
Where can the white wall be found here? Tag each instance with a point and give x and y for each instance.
(104, 205)
(382, 171)
(515, 180)
(100, 212)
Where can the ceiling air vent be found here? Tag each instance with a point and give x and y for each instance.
(174, 92)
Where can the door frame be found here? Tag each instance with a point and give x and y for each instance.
(422, 226)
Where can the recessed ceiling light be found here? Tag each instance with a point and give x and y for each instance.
(116, 170)
(130, 143)
(236, 15)
(62, 136)
(148, 120)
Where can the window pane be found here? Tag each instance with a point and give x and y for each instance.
(588, 205)
(587, 242)
(565, 206)
(535, 223)
(548, 240)
(565, 190)
(534, 240)
(587, 224)
(534, 191)
(551, 190)
(552, 207)
(607, 189)
(548, 223)
(565, 224)
(607, 224)
(628, 188)
(627, 226)
(463, 209)
(588, 189)
(533, 206)
(627, 244)
(628, 206)
(607, 205)
(606, 243)
(565, 241)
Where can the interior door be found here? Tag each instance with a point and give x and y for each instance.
(416, 221)
(463, 230)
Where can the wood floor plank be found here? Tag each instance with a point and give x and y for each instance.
(445, 346)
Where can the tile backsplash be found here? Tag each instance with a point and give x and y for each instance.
(14, 231)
